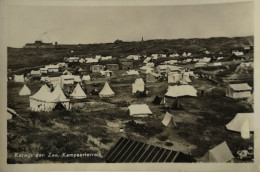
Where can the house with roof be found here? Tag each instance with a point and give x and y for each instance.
(238, 91)
(127, 65)
(97, 68)
(73, 59)
(52, 68)
(112, 67)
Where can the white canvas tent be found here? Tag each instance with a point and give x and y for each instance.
(18, 78)
(138, 85)
(174, 77)
(66, 72)
(132, 72)
(86, 78)
(238, 91)
(77, 78)
(44, 78)
(78, 93)
(44, 100)
(168, 118)
(242, 122)
(106, 92)
(220, 153)
(81, 60)
(139, 110)
(25, 91)
(10, 113)
(185, 80)
(181, 90)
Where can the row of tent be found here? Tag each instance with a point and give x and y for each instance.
(45, 100)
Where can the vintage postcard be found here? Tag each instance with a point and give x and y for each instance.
(116, 84)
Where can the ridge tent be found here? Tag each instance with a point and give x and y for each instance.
(138, 85)
(167, 119)
(174, 77)
(181, 90)
(147, 59)
(81, 60)
(139, 110)
(77, 78)
(157, 100)
(78, 93)
(106, 92)
(185, 80)
(238, 91)
(107, 73)
(86, 78)
(36, 73)
(67, 79)
(242, 122)
(11, 113)
(151, 77)
(66, 72)
(18, 78)
(220, 153)
(25, 91)
(132, 72)
(151, 65)
(44, 78)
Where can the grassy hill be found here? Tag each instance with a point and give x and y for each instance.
(33, 57)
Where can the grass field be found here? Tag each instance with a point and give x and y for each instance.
(93, 125)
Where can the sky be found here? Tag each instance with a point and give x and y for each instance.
(93, 24)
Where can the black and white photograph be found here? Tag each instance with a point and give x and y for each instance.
(130, 84)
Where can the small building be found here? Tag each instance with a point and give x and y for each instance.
(238, 91)
(73, 59)
(127, 65)
(39, 44)
(97, 68)
(200, 64)
(112, 67)
(52, 68)
(44, 70)
(36, 73)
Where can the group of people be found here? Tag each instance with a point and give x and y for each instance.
(244, 154)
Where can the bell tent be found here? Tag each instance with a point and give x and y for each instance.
(138, 85)
(106, 92)
(78, 93)
(25, 91)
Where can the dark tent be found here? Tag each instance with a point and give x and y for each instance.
(59, 106)
(157, 100)
(177, 105)
(94, 92)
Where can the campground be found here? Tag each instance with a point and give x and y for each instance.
(93, 124)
